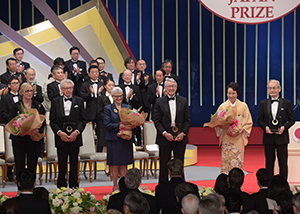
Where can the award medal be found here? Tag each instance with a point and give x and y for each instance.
(69, 129)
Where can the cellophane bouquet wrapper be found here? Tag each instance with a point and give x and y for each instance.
(227, 118)
(30, 123)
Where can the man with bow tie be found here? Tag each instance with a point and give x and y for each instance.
(67, 122)
(54, 88)
(172, 121)
(11, 69)
(275, 117)
(90, 91)
(18, 54)
(167, 65)
(103, 75)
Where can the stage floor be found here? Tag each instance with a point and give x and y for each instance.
(203, 173)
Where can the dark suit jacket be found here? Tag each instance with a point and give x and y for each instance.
(104, 76)
(39, 94)
(162, 118)
(91, 101)
(136, 100)
(6, 107)
(102, 101)
(246, 199)
(135, 72)
(53, 90)
(151, 95)
(26, 65)
(77, 81)
(57, 118)
(5, 77)
(165, 195)
(259, 201)
(146, 103)
(116, 201)
(285, 116)
(30, 204)
(111, 120)
(177, 79)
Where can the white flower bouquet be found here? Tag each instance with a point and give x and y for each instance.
(204, 191)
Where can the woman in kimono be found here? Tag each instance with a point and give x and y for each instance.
(233, 146)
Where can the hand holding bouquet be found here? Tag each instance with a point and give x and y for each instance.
(221, 118)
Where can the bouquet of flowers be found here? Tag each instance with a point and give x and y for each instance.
(25, 122)
(66, 200)
(3, 198)
(133, 117)
(221, 118)
(204, 191)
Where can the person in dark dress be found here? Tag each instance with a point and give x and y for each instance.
(25, 149)
(102, 101)
(119, 151)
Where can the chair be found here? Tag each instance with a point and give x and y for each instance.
(149, 133)
(9, 156)
(2, 161)
(51, 154)
(142, 156)
(88, 152)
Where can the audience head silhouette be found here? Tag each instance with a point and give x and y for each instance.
(135, 203)
(175, 167)
(133, 178)
(27, 180)
(236, 178)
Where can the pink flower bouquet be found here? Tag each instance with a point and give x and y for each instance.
(221, 118)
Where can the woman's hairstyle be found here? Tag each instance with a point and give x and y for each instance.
(234, 86)
(221, 185)
(24, 87)
(106, 81)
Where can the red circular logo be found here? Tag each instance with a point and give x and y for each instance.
(296, 135)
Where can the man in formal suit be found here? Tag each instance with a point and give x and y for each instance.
(54, 88)
(37, 89)
(133, 97)
(11, 66)
(258, 199)
(18, 54)
(76, 69)
(137, 76)
(67, 122)
(132, 180)
(167, 65)
(172, 121)
(135, 203)
(103, 75)
(156, 90)
(275, 117)
(212, 203)
(27, 202)
(148, 78)
(189, 204)
(165, 192)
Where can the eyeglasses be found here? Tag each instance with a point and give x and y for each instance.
(272, 88)
(171, 86)
(119, 96)
(29, 91)
(14, 83)
(68, 88)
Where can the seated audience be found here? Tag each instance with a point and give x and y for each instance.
(296, 203)
(277, 187)
(233, 202)
(41, 192)
(182, 190)
(236, 180)
(135, 203)
(10, 206)
(132, 181)
(165, 192)
(285, 203)
(189, 204)
(27, 202)
(258, 199)
(209, 205)
(221, 185)
(219, 198)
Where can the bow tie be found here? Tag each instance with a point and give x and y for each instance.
(168, 76)
(70, 99)
(161, 85)
(171, 98)
(96, 82)
(129, 85)
(272, 101)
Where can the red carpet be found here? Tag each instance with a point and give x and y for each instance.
(207, 156)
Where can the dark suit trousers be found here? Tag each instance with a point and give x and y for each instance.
(282, 155)
(24, 147)
(62, 154)
(165, 155)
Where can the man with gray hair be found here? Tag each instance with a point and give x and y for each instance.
(189, 204)
(275, 117)
(132, 181)
(210, 205)
(172, 121)
(67, 123)
(296, 203)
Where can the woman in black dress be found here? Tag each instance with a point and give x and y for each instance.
(103, 100)
(25, 147)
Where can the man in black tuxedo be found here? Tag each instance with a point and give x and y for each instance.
(37, 89)
(27, 202)
(137, 76)
(67, 122)
(165, 192)
(156, 90)
(172, 120)
(18, 54)
(11, 65)
(132, 181)
(258, 199)
(103, 75)
(148, 78)
(275, 117)
(76, 69)
(167, 65)
(54, 88)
